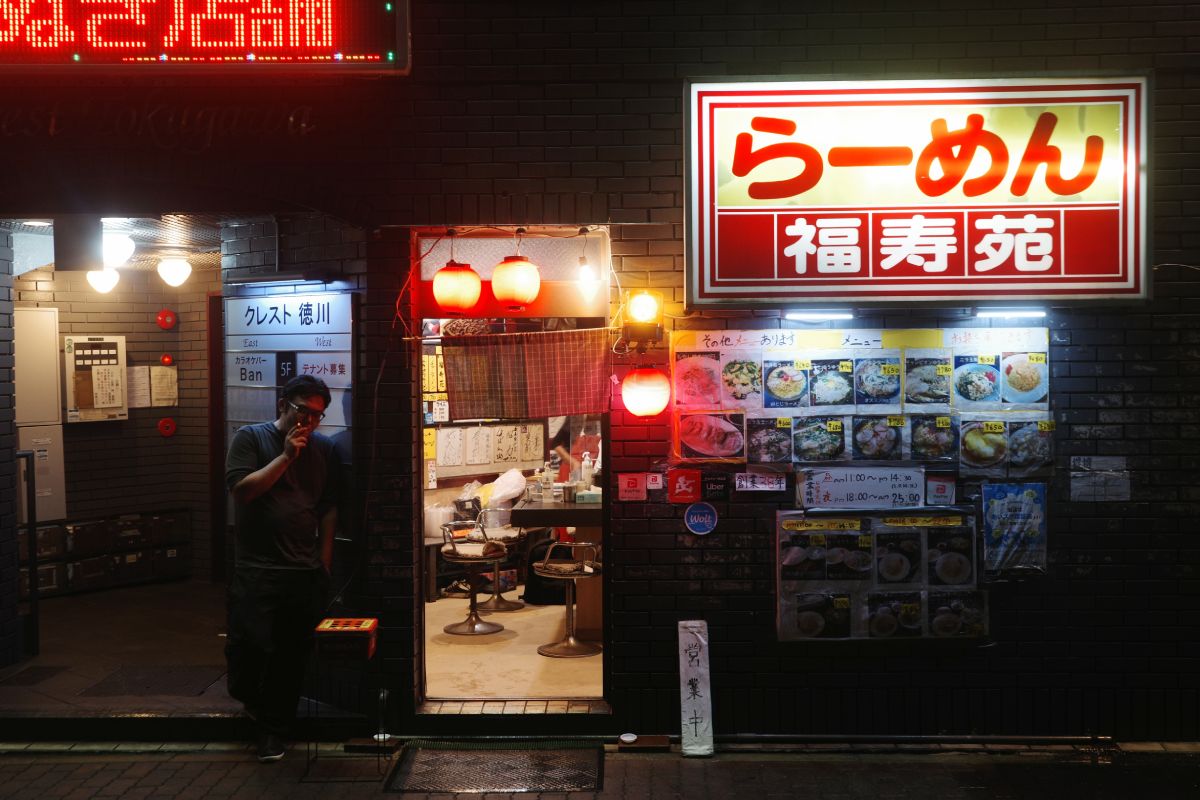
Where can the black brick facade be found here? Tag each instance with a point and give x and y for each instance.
(551, 113)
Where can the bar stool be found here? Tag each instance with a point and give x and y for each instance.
(570, 570)
(497, 602)
(472, 555)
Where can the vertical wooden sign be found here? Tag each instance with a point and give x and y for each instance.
(695, 699)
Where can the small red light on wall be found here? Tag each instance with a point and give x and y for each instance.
(166, 319)
(516, 282)
(456, 287)
(166, 359)
(166, 427)
(645, 392)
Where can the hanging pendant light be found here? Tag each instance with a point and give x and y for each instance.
(456, 287)
(586, 279)
(646, 392)
(174, 271)
(103, 280)
(516, 280)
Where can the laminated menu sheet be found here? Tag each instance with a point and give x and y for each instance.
(798, 396)
(878, 576)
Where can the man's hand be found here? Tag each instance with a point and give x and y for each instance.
(296, 441)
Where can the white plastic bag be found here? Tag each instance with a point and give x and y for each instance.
(508, 486)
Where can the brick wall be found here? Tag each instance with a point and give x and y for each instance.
(127, 467)
(528, 113)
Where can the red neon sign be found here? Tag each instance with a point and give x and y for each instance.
(194, 32)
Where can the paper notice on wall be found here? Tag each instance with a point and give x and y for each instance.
(695, 696)
(164, 386)
(137, 387)
(449, 447)
(478, 446)
(1099, 479)
(106, 386)
(507, 443)
(861, 487)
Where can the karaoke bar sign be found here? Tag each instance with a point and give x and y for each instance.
(338, 33)
(883, 191)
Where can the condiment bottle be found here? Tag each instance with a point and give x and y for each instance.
(586, 471)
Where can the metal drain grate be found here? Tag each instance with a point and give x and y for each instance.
(512, 767)
(179, 681)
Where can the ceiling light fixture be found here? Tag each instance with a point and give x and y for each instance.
(817, 316)
(103, 280)
(587, 280)
(118, 247)
(1010, 313)
(174, 271)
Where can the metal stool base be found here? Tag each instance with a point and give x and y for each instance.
(569, 647)
(499, 602)
(473, 626)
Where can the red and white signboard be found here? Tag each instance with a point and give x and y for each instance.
(977, 191)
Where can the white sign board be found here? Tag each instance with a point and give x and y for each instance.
(309, 314)
(759, 482)
(861, 487)
(695, 695)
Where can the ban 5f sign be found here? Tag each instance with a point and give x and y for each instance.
(975, 191)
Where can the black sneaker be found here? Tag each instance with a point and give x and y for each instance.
(270, 748)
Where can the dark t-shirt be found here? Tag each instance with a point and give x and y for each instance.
(278, 529)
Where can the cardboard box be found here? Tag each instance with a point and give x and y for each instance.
(89, 538)
(133, 567)
(90, 573)
(173, 562)
(52, 543)
(52, 580)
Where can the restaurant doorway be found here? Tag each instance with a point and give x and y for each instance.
(512, 538)
(112, 397)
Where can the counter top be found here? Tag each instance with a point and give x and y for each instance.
(530, 513)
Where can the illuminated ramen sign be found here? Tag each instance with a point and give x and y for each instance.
(336, 33)
(883, 191)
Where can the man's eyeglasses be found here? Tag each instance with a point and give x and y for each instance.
(305, 411)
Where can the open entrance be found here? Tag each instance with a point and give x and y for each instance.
(514, 432)
(113, 406)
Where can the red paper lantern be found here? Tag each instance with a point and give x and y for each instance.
(456, 287)
(645, 392)
(516, 282)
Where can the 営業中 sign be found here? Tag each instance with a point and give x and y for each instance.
(944, 190)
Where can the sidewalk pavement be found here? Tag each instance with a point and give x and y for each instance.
(194, 771)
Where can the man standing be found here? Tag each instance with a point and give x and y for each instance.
(282, 477)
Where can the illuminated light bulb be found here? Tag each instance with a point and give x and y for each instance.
(118, 247)
(645, 392)
(643, 307)
(174, 271)
(587, 281)
(516, 282)
(456, 287)
(103, 280)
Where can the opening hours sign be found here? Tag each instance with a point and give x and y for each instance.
(953, 191)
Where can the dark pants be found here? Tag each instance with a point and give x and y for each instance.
(272, 613)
